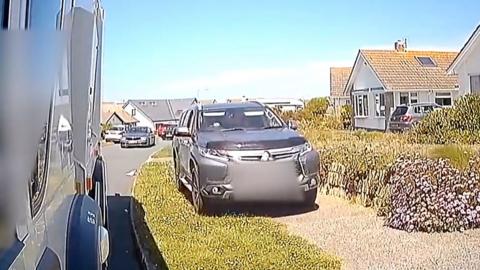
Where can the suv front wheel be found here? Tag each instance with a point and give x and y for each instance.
(200, 203)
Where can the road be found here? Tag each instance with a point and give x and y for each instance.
(121, 166)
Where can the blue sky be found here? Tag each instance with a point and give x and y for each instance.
(268, 48)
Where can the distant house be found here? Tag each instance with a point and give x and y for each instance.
(153, 112)
(467, 65)
(338, 80)
(283, 104)
(383, 79)
(207, 101)
(113, 114)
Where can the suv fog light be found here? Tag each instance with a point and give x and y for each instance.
(216, 191)
(313, 182)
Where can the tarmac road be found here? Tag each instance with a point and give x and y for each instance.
(121, 167)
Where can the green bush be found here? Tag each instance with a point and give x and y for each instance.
(459, 124)
(190, 241)
(314, 109)
(346, 112)
(458, 155)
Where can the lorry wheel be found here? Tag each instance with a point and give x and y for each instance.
(200, 203)
(310, 198)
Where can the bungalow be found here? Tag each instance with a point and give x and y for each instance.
(153, 112)
(338, 80)
(467, 65)
(383, 79)
(113, 114)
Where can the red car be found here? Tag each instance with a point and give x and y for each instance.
(165, 131)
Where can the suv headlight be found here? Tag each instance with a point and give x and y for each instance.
(214, 154)
(306, 147)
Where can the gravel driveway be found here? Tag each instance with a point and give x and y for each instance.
(355, 234)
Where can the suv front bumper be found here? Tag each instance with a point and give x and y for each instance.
(245, 181)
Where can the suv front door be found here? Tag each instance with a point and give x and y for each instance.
(184, 143)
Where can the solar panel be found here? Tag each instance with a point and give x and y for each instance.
(426, 61)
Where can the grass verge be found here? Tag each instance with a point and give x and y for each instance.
(165, 152)
(189, 241)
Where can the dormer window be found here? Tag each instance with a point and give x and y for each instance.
(142, 103)
(153, 103)
(426, 61)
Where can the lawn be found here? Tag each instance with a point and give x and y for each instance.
(190, 241)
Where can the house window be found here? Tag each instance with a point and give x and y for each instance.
(134, 112)
(408, 98)
(361, 105)
(443, 99)
(413, 98)
(475, 84)
(426, 61)
(379, 104)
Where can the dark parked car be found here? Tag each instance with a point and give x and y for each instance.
(165, 131)
(138, 136)
(242, 153)
(405, 116)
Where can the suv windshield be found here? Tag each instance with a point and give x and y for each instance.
(238, 118)
(138, 130)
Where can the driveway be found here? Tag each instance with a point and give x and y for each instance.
(121, 168)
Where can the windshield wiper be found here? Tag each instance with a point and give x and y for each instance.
(273, 127)
(232, 129)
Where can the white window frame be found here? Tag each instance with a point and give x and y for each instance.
(361, 105)
(379, 107)
(444, 95)
(470, 76)
(412, 98)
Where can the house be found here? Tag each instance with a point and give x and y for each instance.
(283, 104)
(113, 114)
(153, 112)
(383, 79)
(338, 80)
(207, 101)
(467, 65)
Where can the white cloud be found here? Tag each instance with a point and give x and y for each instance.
(306, 80)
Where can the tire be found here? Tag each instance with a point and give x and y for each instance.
(310, 198)
(200, 203)
(178, 184)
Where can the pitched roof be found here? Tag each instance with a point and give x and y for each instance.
(465, 49)
(125, 117)
(403, 71)
(338, 80)
(162, 109)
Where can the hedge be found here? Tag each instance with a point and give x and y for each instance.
(190, 241)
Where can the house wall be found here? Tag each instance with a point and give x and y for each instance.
(469, 66)
(143, 120)
(366, 79)
(114, 120)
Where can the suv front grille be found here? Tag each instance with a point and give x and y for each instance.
(275, 154)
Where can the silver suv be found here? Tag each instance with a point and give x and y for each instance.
(405, 116)
(242, 152)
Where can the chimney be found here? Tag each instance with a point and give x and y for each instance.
(401, 45)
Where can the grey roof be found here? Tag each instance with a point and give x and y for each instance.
(162, 109)
(233, 105)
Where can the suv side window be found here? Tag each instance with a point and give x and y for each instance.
(186, 118)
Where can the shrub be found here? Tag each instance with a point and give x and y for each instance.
(459, 124)
(315, 108)
(432, 196)
(346, 112)
(190, 241)
(458, 155)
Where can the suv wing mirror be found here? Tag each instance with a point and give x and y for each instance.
(292, 125)
(182, 132)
